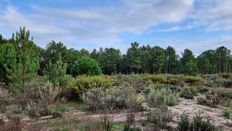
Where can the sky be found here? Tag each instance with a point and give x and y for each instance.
(198, 25)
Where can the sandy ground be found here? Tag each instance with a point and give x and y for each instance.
(186, 106)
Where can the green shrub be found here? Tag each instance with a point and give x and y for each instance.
(227, 114)
(14, 112)
(4, 99)
(107, 123)
(197, 124)
(84, 83)
(211, 100)
(55, 73)
(223, 93)
(227, 95)
(39, 99)
(59, 110)
(202, 90)
(160, 116)
(188, 93)
(218, 82)
(98, 99)
(174, 80)
(192, 79)
(201, 101)
(86, 66)
(155, 78)
(227, 104)
(184, 123)
(160, 96)
(130, 119)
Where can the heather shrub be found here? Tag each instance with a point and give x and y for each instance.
(160, 116)
(227, 114)
(5, 99)
(160, 96)
(155, 78)
(188, 93)
(114, 98)
(40, 99)
(184, 123)
(130, 118)
(193, 80)
(211, 100)
(227, 104)
(225, 75)
(107, 123)
(84, 83)
(198, 123)
(201, 101)
(93, 99)
(174, 80)
(14, 112)
(202, 89)
(134, 102)
(223, 93)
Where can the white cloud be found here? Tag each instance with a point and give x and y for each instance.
(214, 15)
(95, 25)
(103, 26)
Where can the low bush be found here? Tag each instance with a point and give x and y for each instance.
(225, 75)
(211, 100)
(223, 93)
(160, 116)
(40, 99)
(201, 101)
(188, 92)
(175, 80)
(202, 89)
(14, 124)
(227, 95)
(228, 84)
(130, 119)
(227, 114)
(193, 80)
(107, 123)
(5, 99)
(155, 78)
(59, 110)
(84, 83)
(198, 123)
(218, 82)
(227, 104)
(98, 99)
(14, 112)
(160, 96)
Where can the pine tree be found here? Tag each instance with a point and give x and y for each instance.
(55, 73)
(27, 63)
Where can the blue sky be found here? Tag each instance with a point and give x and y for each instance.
(195, 24)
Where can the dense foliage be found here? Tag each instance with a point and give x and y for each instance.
(20, 53)
(86, 66)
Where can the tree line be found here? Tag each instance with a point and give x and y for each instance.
(20, 55)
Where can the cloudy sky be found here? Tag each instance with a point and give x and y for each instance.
(195, 24)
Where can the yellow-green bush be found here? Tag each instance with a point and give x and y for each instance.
(188, 92)
(83, 83)
(174, 79)
(155, 78)
(192, 79)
